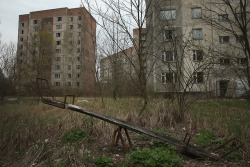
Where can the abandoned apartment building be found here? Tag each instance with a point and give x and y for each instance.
(186, 54)
(70, 54)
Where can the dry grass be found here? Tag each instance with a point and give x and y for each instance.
(31, 132)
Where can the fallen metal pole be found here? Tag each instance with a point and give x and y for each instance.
(200, 153)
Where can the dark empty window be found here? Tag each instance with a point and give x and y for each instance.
(224, 39)
(168, 35)
(223, 17)
(198, 77)
(57, 83)
(242, 61)
(224, 61)
(58, 58)
(58, 42)
(35, 21)
(59, 18)
(240, 38)
(197, 55)
(58, 34)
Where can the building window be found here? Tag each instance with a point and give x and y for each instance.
(69, 83)
(58, 34)
(59, 19)
(57, 75)
(224, 39)
(196, 13)
(22, 31)
(78, 42)
(168, 56)
(35, 29)
(58, 42)
(78, 50)
(79, 26)
(197, 33)
(78, 75)
(224, 61)
(21, 54)
(198, 77)
(49, 22)
(78, 33)
(197, 55)
(57, 67)
(239, 16)
(59, 26)
(79, 17)
(77, 67)
(168, 35)
(78, 58)
(169, 77)
(69, 67)
(168, 14)
(58, 58)
(22, 24)
(242, 61)
(223, 17)
(70, 35)
(21, 39)
(58, 50)
(240, 38)
(69, 75)
(78, 84)
(70, 18)
(57, 83)
(21, 46)
(70, 26)
(35, 21)
(69, 59)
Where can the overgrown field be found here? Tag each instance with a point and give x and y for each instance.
(35, 134)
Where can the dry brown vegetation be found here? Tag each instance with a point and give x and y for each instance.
(31, 132)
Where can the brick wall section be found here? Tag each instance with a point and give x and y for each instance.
(48, 13)
(23, 18)
(89, 51)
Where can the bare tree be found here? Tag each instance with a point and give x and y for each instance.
(126, 15)
(35, 59)
(7, 68)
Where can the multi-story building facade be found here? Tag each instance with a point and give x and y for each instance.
(121, 69)
(59, 45)
(192, 49)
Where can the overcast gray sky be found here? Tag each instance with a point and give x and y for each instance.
(11, 9)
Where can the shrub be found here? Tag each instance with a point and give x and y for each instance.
(205, 138)
(74, 135)
(104, 161)
(160, 157)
